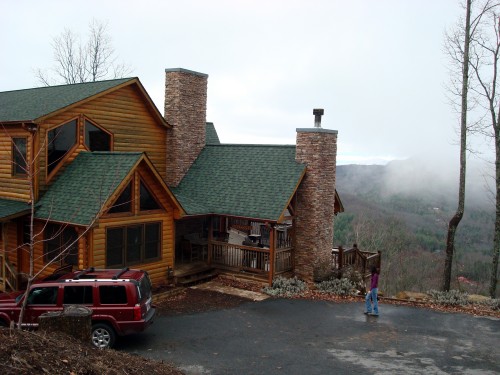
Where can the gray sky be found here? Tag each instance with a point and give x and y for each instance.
(377, 67)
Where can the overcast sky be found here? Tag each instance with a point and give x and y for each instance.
(377, 67)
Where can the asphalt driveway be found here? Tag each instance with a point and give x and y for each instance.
(280, 336)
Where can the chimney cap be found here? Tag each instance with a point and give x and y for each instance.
(318, 112)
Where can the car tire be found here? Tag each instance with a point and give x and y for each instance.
(103, 336)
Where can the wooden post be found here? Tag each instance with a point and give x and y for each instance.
(341, 257)
(379, 260)
(272, 253)
(210, 239)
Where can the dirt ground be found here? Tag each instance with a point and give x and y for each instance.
(33, 353)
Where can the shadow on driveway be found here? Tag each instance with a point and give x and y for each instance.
(281, 336)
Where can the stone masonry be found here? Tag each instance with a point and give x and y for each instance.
(185, 111)
(317, 148)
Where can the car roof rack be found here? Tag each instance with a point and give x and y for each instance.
(84, 272)
(121, 272)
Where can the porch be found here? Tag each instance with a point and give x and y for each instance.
(356, 259)
(245, 247)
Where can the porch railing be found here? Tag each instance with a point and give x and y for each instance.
(361, 261)
(250, 259)
(8, 275)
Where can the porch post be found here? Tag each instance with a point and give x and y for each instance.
(210, 239)
(272, 255)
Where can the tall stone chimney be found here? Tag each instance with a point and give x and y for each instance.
(317, 148)
(186, 112)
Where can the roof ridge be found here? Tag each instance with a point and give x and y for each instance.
(70, 84)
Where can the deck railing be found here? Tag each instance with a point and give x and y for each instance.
(8, 275)
(362, 261)
(249, 259)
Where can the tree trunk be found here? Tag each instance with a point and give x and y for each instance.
(455, 220)
(496, 238)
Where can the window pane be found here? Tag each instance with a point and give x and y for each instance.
(134, 244)
(19, 156)
(114, 247)
(77, 295)
(52, 242)
(112, 294)
(43, 296)
(147, 200)
(152, 243)
(69, 236)
(60, 141)
(96, 139)
(124, 201)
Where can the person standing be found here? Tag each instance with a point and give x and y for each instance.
(371, 296)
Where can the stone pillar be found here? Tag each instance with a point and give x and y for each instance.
(186, 112)
(317, 148)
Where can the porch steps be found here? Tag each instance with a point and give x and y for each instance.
(196, 276)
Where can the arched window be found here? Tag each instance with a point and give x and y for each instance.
(60, 141)
(96, 139)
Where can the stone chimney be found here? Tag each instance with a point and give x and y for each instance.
(186, 112)
(317, 148)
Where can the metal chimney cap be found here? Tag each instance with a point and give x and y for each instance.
(318, 112)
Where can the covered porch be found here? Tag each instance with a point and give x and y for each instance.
(252, 248)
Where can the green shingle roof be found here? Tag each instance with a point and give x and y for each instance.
(10, 208)
(253, 181)
(85, 185)
(212, 138)
(30, 104)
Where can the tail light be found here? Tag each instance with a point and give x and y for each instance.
(137, 312)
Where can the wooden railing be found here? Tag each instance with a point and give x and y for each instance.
(8, 275)
(249, 258)
(362, 261)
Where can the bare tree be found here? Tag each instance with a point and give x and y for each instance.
(77, 62)
(485, 54)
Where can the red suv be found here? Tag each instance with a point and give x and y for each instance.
(120, 301)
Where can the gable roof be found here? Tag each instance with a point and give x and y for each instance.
(254, 181)
(33, 104)
(10, 209)
(78, 195)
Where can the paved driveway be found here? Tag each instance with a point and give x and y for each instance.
(280, 336)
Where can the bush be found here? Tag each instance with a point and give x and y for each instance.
(283, 287)
(340, 287)
(451, 298)
(494, 304)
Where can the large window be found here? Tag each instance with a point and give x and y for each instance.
(133, 244)
(61, 239)
(96, 139)
(124, 201)
(19, 164)
(60, 141)
(147, 201)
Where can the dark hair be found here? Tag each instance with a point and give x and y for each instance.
(374, 270)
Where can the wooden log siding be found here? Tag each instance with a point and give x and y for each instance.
(124, 114)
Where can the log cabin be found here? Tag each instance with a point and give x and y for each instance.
(92, 174)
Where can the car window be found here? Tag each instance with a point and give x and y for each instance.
(112, 294)
(43, 296)
(77, 295)
(144, 288)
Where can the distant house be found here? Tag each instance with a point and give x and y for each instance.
(119, 185)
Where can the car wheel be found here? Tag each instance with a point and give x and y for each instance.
(103, 336)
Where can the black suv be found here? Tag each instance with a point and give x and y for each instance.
(120, 300)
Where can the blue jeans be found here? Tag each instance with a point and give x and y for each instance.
(371, 297)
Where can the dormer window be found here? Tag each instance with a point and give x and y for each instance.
(96, 139)
(60, 141)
